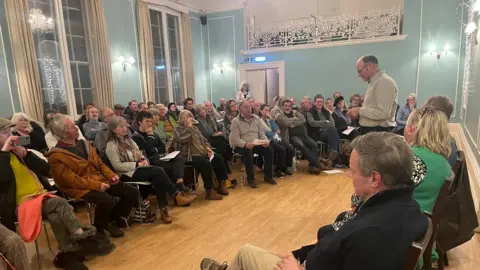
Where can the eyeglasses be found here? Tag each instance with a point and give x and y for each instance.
(361, 70)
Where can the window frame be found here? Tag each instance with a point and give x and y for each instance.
(165, 10)
(63, 52)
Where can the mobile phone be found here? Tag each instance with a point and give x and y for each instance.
(23, 140)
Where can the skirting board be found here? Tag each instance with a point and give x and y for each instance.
(472, 164)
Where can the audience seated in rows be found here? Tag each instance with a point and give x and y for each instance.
(222, 107)
(80, 173)
(245, 129)
(212, 111)
(196, 151)
(188, 105)
(129, 163)
(93, 125)
(444, 104)
(404, 112)
(151, 143)
(283, 150)
(27, 197)
(172, 111)
(292, 129)
(131, 111)
(24, 126)
(386, 224)
(212, 131)
(321, 126)
(342, 120)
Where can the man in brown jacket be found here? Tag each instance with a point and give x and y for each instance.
(80, 173)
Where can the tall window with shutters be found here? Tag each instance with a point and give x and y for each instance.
(167, 50)
(60, 34)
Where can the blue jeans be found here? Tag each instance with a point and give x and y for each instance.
(308, 147)
(330, 137)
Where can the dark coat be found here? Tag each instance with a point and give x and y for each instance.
(378, 237)
(8, 190)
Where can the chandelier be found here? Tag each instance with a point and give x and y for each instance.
(39, 22)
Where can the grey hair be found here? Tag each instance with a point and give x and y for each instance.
(153, 111)
(412, 96)
(386, 153)
(57, 126)
(242, 102)
(19, 116)
(112, 125)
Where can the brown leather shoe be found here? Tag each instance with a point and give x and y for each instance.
(314, 170)
(183, 199)
(165, 215)
(222, 189)
(212, 195)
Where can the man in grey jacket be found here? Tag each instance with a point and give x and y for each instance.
(380, 100)
(292, 126)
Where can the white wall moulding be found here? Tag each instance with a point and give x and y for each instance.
(370, 24)
(326, 44)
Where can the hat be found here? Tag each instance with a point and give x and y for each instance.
(338, 99)
(5, 124)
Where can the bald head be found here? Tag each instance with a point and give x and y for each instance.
(107, 114)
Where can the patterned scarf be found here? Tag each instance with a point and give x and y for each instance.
(124, 145)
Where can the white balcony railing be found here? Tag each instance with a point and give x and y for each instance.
(362, 25)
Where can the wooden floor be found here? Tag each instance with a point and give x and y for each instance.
(277, 218)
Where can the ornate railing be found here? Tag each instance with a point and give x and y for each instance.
(362, 25)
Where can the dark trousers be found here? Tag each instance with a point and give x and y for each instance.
(106, 209)
(308, 147)
(330, 137)
(160, 181)
(221, 147)
(265, 152)
(174, 167)
(365, 130)
(217, 165)
(283, 154)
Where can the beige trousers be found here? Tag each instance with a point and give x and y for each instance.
(253, 258)
(13, 248)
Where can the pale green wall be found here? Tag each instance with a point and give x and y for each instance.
(330, 69)
(122, 38)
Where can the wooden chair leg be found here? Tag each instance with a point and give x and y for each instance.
(48, 239)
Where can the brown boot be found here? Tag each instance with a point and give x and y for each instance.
(183, 199)
(212, 195)
(222, 189)
(165, 215)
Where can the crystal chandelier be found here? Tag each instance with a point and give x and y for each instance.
(39, 22)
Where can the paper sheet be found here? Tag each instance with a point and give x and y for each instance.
(333, 171)
(170, 156)
(349, 130)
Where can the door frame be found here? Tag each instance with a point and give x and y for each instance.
(244, 68)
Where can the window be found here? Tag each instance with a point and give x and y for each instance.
(61, 40)
(166, 42)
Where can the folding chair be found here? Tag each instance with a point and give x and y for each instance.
(418, 248)
(37, 250)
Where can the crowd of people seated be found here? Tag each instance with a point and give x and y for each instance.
(94, 159)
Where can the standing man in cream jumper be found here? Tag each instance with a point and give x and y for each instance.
(380, 100)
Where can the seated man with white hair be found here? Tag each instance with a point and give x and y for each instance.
(383, 229)
(80, 173)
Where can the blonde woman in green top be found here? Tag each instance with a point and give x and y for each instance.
(427, 133)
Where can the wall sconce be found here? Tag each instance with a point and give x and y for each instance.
(223, 67)
(438, 54)
(126, 62)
